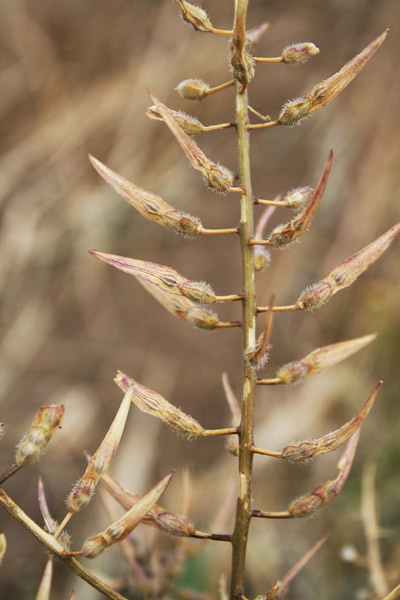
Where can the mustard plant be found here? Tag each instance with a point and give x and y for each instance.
(189, 300)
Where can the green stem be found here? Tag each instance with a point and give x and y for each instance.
(243, 509)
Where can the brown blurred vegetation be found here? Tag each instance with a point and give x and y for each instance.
(73, 80)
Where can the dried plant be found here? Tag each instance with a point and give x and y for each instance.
(156, 576)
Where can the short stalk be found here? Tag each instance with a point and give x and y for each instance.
(264, 125)
(218, 88)
(274, 381)
(271, 515)
(219, 231)
(265, 59)
(287, 308)
(272, 453)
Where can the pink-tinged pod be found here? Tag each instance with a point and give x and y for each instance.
(299, 53)
(310, 503)
(346, 272)
(151, 206)
(165, 278)
(216, 176)
(306, 450)
(322, 358)
(324, 92)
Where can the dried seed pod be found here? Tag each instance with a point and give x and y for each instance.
(189, 124)
(326, 492)
(254, 35)
(195, 16)
(262, 258)
(346, 272)
(299, 53)
(34, 442)
(299, 197)
(283, 235)
(193, 89)
(183, 308)
(324, 92)
(259, 355)
(44, 590)
(151, 206)
(154, 404)
(280, 586)
(120, 529)
(304, 451)
(232, 443)
(322, 358)
(3, 546)
(83, 491)
(165, 278)
(216, 176)
(156, 516)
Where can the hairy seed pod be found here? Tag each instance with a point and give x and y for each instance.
(34, 442)
(120, 529)
(183, 308)
(304, 451)
(161, 276)
(324, 92)
(193, 89)
(299, 197)
(299, 53)
(83, 491)
(242, 65)
(216, 176)
(156, 516)
(189, 124)
(151, 206)
(310, 503)
(154, 404)
(195, 16)
(284, 235)
(345, 273)
(322, 358)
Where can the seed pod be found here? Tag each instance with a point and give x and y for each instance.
(165, 278)
(283, 235)
(242, 64)
(183, 308)
(216, 176)
(259, 355)
(254, 35)
(120, 529)
(83, 491)
(151, 206)
(262, 258)
(3, 546)
(43, 592)
(280, 586)
(345, 273)
(156, 516)
(322, 358)
(154, 404)
(189, 124)
(304, 451)
(324, 92)
(193, 89)
(195, 16)
(34, 442)
(299, 53)
(298, 197)
(310, 503)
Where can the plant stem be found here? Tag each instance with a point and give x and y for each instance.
(243, 509)
(55, 547)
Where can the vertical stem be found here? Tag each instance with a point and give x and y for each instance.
(243, 509)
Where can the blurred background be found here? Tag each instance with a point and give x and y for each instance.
(73, 80)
